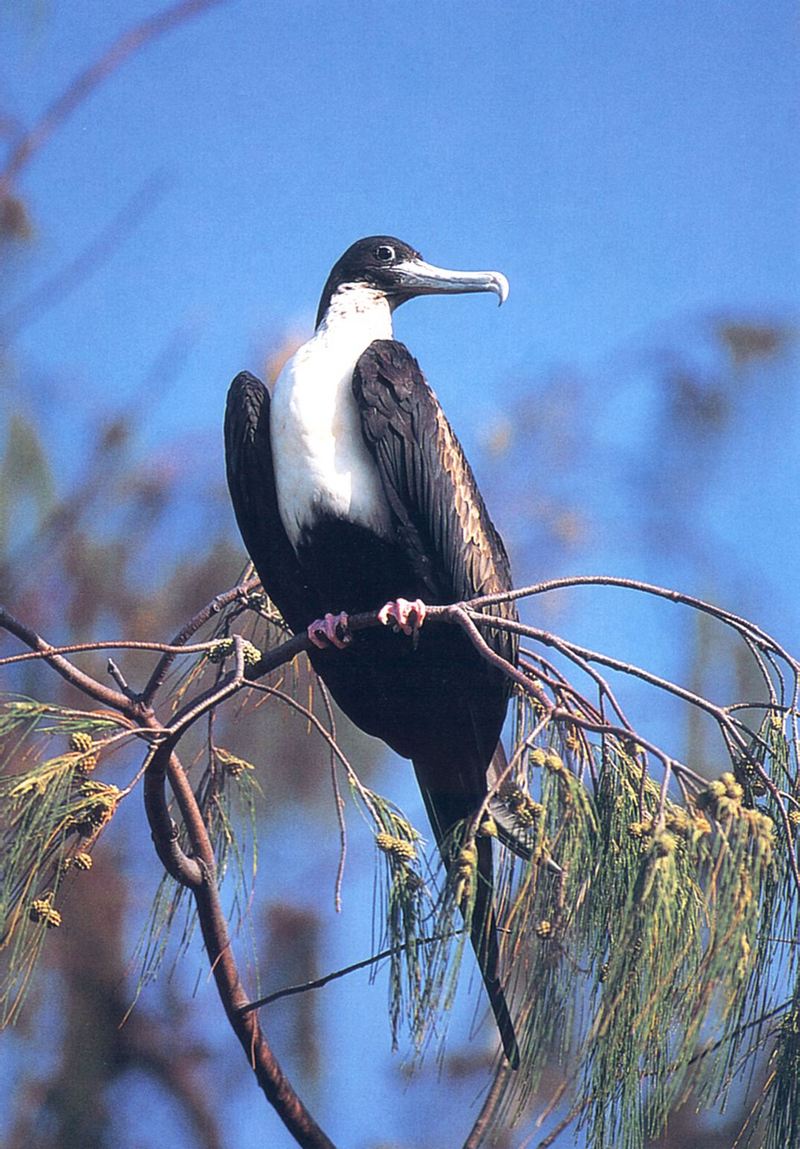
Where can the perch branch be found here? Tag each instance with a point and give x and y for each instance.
(559, 702)
(197, 871)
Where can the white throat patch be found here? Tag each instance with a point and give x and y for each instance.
(321, 463)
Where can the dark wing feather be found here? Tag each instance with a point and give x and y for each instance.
(457, 554)
(429, 483)
(251, 480)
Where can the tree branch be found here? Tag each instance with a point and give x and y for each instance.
(197, 871)
(90, 78)
(556, 701)
(113, 699)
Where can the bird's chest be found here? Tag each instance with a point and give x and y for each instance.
(323, 469)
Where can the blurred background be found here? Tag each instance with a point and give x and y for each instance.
(176, 182)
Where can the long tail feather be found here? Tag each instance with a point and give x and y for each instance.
(483, 935)
(445, 810)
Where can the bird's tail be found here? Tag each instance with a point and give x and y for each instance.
(483, 934)
(445, 811)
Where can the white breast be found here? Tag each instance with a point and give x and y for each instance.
(320, 460)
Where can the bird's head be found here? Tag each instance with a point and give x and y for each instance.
(394, 269)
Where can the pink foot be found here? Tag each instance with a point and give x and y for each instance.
(404, 615)
(332, 630)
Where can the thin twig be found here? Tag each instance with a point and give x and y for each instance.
(130, 42)
(94, 647)
(199, 619)
(742, 625)
(365, 963)
(112, 699)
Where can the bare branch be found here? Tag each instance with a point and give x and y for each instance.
(217, 604)
(90, 78)
(199, 874)
(320, 982)
(556, 701)
(185, 870)
(94, 647)
(196, 871)
(113, 699)
(492, 1101)
(743, 625)
(270, 1076)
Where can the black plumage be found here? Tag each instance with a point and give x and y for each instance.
(433, 700)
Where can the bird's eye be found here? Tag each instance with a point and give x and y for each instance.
(384, 253)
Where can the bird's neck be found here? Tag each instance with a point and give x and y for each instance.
(355, 316)
(322, 465)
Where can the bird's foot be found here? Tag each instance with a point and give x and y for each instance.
(403, 615)
(332, 630)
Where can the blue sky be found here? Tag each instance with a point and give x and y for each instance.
(623, 164)
(629, 166)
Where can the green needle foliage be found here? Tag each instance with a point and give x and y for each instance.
(52, 814)
(402, 897)
(227, 794)
(646, 933)
(782, 1089)
(648, 917)
(642, 936)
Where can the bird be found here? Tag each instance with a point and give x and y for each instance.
(352, 493)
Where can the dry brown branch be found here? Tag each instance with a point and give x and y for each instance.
(334, 975)
(196, 871)
(556, 700)
(112, 699)
(179, 641)
(485, 1119)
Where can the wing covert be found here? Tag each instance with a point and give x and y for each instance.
(428, 481)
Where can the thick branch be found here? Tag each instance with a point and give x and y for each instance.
(559, 702)
(185, 870)
(196, 871)
(271, 1078)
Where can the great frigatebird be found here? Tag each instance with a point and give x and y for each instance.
(352, 493)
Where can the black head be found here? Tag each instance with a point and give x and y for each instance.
(399, 272)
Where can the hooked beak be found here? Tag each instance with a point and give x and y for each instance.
(416, 277)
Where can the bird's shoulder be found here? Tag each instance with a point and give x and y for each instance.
(247, 406)
(425, 470)
(389, 388)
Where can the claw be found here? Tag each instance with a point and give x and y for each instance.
(332, 630)
(403, 615)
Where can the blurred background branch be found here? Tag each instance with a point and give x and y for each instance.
(633, 417)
